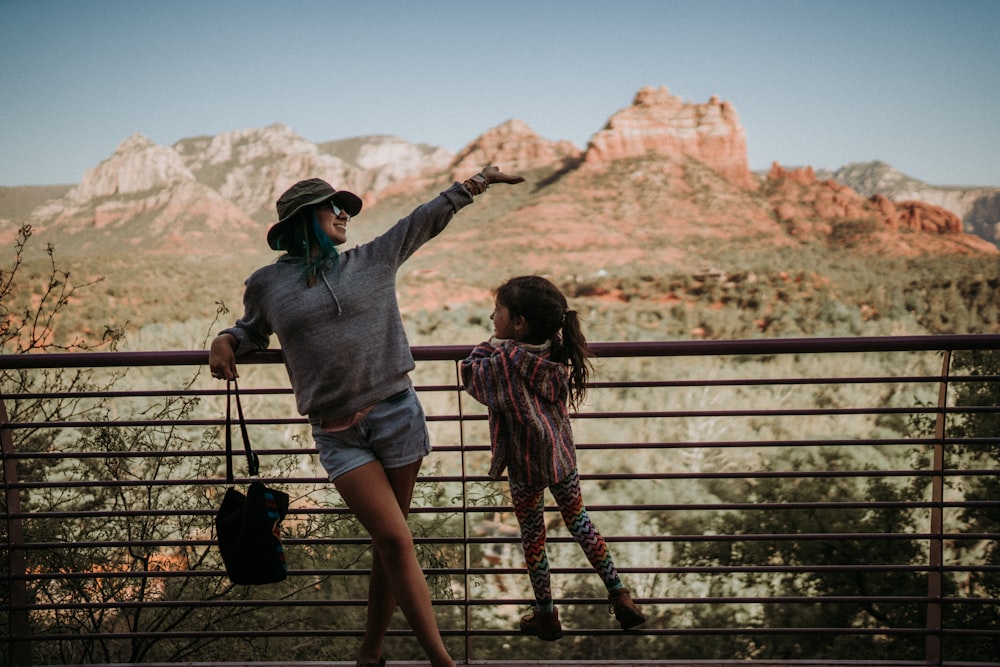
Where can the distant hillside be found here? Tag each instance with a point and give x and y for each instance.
(17, 202)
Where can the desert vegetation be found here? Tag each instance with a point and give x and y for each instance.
(52, 304)
(782, 293)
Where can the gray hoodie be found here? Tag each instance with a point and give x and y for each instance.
(343, 339)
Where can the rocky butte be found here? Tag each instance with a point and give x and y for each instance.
(659, 123)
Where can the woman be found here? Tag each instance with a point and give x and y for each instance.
(348, 359)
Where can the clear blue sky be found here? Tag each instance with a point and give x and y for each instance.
(912, 83)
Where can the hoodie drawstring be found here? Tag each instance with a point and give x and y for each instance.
(340, 311)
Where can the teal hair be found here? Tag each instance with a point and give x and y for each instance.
(303, 236)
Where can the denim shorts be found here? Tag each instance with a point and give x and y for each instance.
(394, 433)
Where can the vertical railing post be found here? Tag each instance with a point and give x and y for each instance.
(935, 574)
(466, 555)
(18, 627)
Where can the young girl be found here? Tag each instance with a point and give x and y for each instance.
(529, 375)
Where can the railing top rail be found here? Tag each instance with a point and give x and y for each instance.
(601, 349)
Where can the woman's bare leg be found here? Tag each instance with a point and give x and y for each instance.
(381, 602)
(374, 495)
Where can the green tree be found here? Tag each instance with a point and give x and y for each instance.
(812, 572)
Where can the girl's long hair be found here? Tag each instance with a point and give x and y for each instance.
(549, 318)
(307, 242)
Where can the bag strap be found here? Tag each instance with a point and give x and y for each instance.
(253, 462)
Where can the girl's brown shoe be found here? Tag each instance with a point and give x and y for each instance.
(542, 624)
(620, 604)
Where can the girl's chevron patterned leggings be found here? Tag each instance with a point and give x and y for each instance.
(529, 507)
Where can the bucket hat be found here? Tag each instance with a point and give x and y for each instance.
(309, 192)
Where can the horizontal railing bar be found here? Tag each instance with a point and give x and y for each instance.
(159, 483)
(157, 393)
(612, 446)
(480, 509)
(708, 600)
(744, 537)
(473, 509)
(473, 632)
(602, 446)
(637, 414)
(292, 603)
(618, 384)
(786, 412)
(474, 602)
(491, 573)
(498, 571)
(755, 346)
(767, 382)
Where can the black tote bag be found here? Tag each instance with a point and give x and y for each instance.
(248, 527)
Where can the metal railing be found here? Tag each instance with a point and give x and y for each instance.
(779, 500)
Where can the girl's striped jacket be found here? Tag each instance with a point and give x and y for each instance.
(526, 393)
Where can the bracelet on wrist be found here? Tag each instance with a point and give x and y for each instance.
(476, 185)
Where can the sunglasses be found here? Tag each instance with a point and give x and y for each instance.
(337, 211)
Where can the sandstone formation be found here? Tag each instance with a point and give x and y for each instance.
(977, 207)
(383, 160)
(138, 165)
(813, 209)
(251, 168)
(665, 125)
(917, 216)
(220, 189)
(923, 217)
(143, 197)
(515, 147)
(807, 206)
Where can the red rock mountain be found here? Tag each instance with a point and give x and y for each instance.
(660, 171)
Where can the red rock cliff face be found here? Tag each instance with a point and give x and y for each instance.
(662, 124)
(812, 209)
(917, 215)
